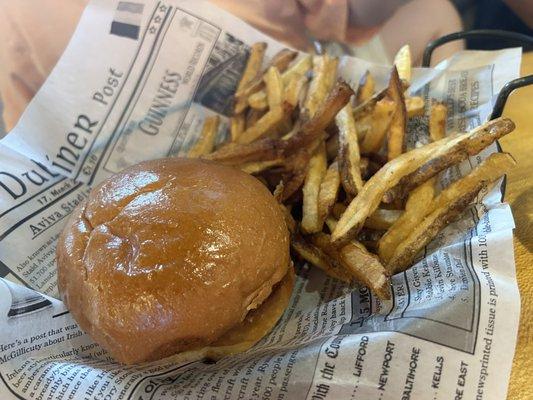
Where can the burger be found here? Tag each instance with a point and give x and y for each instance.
(176, 256)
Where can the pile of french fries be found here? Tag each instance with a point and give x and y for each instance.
(357, 205)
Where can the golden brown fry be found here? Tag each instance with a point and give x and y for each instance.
(366, 88)
(259, 166)
(367, 107)
(315, 175)
(424, 232)
(364, 166)
(324, 76)
(366, 268)
(237, 125)
(449, 204)
(314, 127)
(382, 219)
(338, 209)
(300, 67)
(294, 88)
(402, 61)
(206, 142)
(454, 152)
(381, 120)
(489, 170)
(398, 125)
(316, 257)
(332, 146)
(349, 156)
(266, 125)
(370, 196)
(274, 88)
(278, 191)
(331, 222)
(258, 101)
(251, 72)
(283, 58)
(414, 106)
(281, 61)
(358, 262)
(270, 149)
(262, 150)
(437, 121)
(416, 208)
(329, 189)
(252, 116)
(432, 156)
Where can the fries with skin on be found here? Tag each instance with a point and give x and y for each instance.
(356, 203)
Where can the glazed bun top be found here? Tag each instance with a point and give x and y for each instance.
(170, 254)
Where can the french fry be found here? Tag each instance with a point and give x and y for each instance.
(237, 125)
(258, 101)
(296, 167)
(278, 191)
(281, 61)
(349, 156)
(329, 189)
(266, 149)
(316, 257)
(337, 210)
(454, 152)
(414, 106)
(367, 107)
(426, 161)
(324, 76)
(364, 165)
(332, 146)
(266, 125)
(402, 61)
(294, 88)
(417, 206)
(381, 120)
(331, 222)
(382, 219)
(252, 116)
(274, 88)
(424, 232)
(489, 170)
(315, 175)
(366, 268)
(300, 67)
(251, 72)
(283, 58)
(259, 166)
(437, 121)
(448, 205)
(370, 196)
(398, 125)
(366, 88)
(314, 127)
(206, 143)
(358, 262)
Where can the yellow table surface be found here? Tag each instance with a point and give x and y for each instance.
(32, 42)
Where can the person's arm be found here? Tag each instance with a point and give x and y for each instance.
(368, 13)
(523, 9)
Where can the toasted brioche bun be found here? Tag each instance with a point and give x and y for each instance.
(170, 255)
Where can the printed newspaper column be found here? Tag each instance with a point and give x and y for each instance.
(34, 205)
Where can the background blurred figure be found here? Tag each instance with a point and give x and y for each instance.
(370, 29)
(509, 15)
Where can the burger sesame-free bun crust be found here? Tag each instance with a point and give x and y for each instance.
(169, 255)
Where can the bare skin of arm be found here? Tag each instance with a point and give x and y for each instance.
(419, 22)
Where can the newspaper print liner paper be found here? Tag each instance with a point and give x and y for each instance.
(449, 331)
